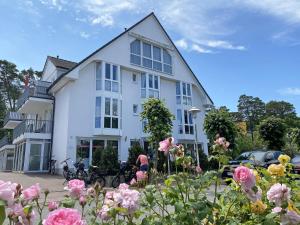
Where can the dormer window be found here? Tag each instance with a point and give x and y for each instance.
(150, 56)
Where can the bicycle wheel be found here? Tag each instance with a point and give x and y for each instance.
(115, 182)
(101, 181)
(66, 175)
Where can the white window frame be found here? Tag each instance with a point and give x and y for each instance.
(98, 112)
(98, 78)
(111, 115)
(111, 80)
(185, 99)
(149, 89)
(134, 54)
(189, 123)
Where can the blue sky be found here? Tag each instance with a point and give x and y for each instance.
(235, 47)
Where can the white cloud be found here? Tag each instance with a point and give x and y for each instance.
(84, 35)
(199, 49)
(224, 45)
(290, 91)
(181, 44)
(105, 20)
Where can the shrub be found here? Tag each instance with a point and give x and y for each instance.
(133, 153)
(107, 160)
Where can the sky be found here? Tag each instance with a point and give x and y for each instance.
(234, 47)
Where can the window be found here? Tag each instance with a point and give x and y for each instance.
(111, 117)
(179, 121)
(83, 151)
(150, 56)
(98, 77)
(98, 113)
(183, 93)
(188, 123)
(111, 78)
(167, 62)
(135, 109)
(133, 77)
(135, 52)
(149, 86)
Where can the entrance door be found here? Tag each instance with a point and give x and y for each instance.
(35, 157)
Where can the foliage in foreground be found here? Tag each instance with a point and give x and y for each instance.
(255, 196)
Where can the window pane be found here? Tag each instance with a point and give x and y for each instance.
(178, 99)
(167, 69)
(184, 100)
(180, 129)
(114, 122)
(157, 66)
(107, 121)
(35, 157)
(97, 122)
(147, 63)
(107, 71)
(147, 50)
(107, 85)
(167, 57)
(115, 86)
(135, 109)
(98, 76)
(151, 94)
(135, 47)
(156, 82)
(186, 117)
(191, 130)
(188, 87)
(184, 88)
(186, 129)
(156, 94)
(135, 59)
(115, 107)
(178, 88)
(98, 85)
(107, 106)
(179, 116)
(98, 113)
(134, 77)
(115, 72)
(150, 81)
(46, 156)
(143, 80)
(189, 101)
(156, 53)
(143, 93)
(190, 118)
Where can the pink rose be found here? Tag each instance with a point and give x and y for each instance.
(32, 192)
(52, 206)
(130, 200)
(166, 144)
(276, 210)
(133, 181)
(17, 212)
(140, 176)
(109, 194)
(7, 192)
(64, 216)
(198, 169)
(82, 200)
(291, 218)
(278, 193)
(221, 141)
(75, 188)
(103, 213)
(91, 191)
(245, 177)
(123, 186)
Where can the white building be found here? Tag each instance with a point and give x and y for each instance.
(78, 107)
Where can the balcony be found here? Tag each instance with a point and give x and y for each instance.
(36, 129)
(12, 119)
(34, 98)
(5, 141)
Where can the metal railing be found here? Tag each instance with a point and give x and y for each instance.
(13, 116)
(39, 91)
(33, 126)
(5, 141)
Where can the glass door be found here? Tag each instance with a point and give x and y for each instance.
(35, 157)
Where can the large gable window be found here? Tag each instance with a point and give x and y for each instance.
(150, 56)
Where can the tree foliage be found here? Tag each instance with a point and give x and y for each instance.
(272, 131)
(133, 153)
(159, 122)
(219, 121)
(280, 109)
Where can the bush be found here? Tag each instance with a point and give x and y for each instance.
(133, 153)
(107, 160)
(272, 131)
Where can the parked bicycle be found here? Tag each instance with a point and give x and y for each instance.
(79, 172)
(96, 175)
(126, 173)
(52, 166)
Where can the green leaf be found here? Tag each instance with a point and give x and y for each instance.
(2, 214)
(68, 203)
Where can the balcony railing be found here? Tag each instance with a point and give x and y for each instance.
(39, 91)
(5, 141)
(33, 126)
(13, 116)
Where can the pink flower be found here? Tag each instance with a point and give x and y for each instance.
(140, 176)
(109, 194)
(245, 177)
(32, 192)
(133, 181)
(64, 216)
(16, 210)
(198, 169)
(276, 210)
(17, 213)
(52, 205)
(7, 192)
(291, 217)
(103, 213)
(75, 188)
(166, 144)
(91, 191)
(222, 142)
(130, 200)
(278, 193)
(123, 186)
(82, 200)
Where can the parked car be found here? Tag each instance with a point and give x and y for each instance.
(296, 164)
(260, 158)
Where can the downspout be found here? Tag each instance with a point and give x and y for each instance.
(52, 131)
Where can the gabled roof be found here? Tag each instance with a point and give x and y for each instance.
(124, 32)
(62, 63)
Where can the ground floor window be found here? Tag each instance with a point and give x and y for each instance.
(19, 156)
(83, 151)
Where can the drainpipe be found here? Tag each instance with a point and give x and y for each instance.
(52, 126)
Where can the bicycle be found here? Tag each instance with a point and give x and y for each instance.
(126, 172)
(52, 166)
(80, 173)
(97, 176)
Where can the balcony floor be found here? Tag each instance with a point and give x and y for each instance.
(34, 105)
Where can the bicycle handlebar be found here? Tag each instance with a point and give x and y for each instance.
(65, 160)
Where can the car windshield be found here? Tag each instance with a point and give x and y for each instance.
(296, 159)
(251, 155)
